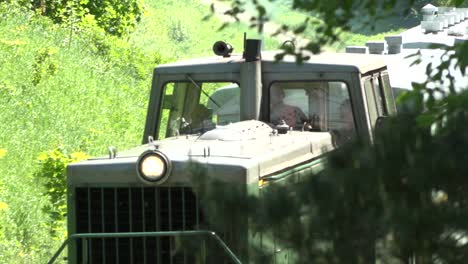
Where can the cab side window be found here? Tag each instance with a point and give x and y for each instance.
(189, 108)
(379, 97)
(375, 98)
(387, 90)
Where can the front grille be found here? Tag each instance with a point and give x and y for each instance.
(143, 209)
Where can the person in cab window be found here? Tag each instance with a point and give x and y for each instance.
(293, 116)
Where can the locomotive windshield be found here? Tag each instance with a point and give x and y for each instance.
(312, 106)
(193, 108)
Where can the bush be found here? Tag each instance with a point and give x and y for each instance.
(3, 205)
(44, 64)
(91, 91)
(54, 91)
(52, 175)
(115, 17)
(404, 196)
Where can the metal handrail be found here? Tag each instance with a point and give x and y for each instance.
(147, 234)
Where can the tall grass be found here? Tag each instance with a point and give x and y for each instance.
(361, 30)
(178, 31)
(79, 90)
(55, 91)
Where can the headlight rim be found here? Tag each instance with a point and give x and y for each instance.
(167, 170)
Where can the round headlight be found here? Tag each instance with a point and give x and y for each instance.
(153, 166)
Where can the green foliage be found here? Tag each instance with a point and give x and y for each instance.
(401, 199)
(58, 89)
(328, 24)
(44, 64)
(115, 17)
(21, 227)
(178, 32)
(328, 20)
(405, 195)
(52, 175)
(187, 34)
(3, 205)
(73, 86)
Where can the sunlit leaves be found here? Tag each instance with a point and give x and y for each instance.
(52, 175)
(45, 64)
(462, 56)
(334, 15)
(210, 15)
(301, 28)
(408, 189)
(410, 186)
(115, 17)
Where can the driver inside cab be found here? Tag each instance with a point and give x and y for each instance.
(292, 115)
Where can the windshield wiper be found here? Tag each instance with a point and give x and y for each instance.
(199, 88)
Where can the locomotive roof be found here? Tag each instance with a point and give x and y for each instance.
(324, 62)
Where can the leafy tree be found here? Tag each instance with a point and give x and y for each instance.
(402, 198)
(329, 19)
(52, 176)
(114, 16)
